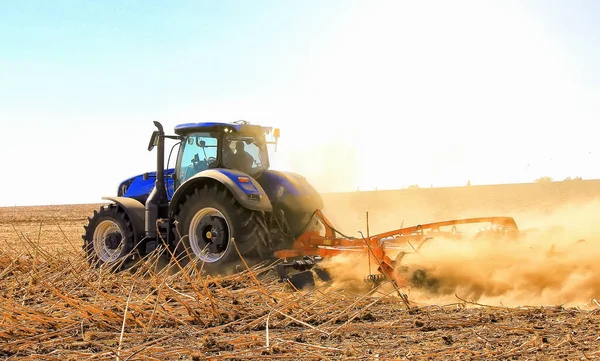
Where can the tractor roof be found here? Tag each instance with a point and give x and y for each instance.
(186, 128)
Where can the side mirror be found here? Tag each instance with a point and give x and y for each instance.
(153, 140)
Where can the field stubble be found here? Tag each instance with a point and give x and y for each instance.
(54, 307)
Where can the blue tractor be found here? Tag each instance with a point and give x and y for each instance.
(220, 188)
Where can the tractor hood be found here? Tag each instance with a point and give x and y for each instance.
(138, 188)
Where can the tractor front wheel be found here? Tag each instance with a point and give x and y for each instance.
(209, 219)
(108, 238)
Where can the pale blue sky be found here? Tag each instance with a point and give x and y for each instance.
(142, 57)
(491, 91)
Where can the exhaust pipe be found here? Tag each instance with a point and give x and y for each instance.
(160, 159)
(157, 203)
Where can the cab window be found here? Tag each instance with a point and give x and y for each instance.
(199, 152)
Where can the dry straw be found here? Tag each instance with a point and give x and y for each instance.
(53, 306)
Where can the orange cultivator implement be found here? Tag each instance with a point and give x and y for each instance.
(314, 247)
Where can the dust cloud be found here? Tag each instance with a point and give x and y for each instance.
(554, 262)
(335, 172)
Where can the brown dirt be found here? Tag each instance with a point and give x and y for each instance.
(54, 307)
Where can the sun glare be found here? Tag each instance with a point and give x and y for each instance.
(445, 94)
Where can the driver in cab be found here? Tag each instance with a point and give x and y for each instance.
(240, 159)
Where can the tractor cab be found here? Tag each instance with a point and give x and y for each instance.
(238, 146)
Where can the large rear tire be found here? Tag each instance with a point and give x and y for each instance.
(108, 238)
(208, 220)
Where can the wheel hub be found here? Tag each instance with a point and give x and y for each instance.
(209, 232)
(108, 241)
(113, 240)
(212, 233)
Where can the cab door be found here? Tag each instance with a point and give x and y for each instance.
(198, 152)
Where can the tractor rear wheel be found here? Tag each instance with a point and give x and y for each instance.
(108, 238)
(209, 219)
